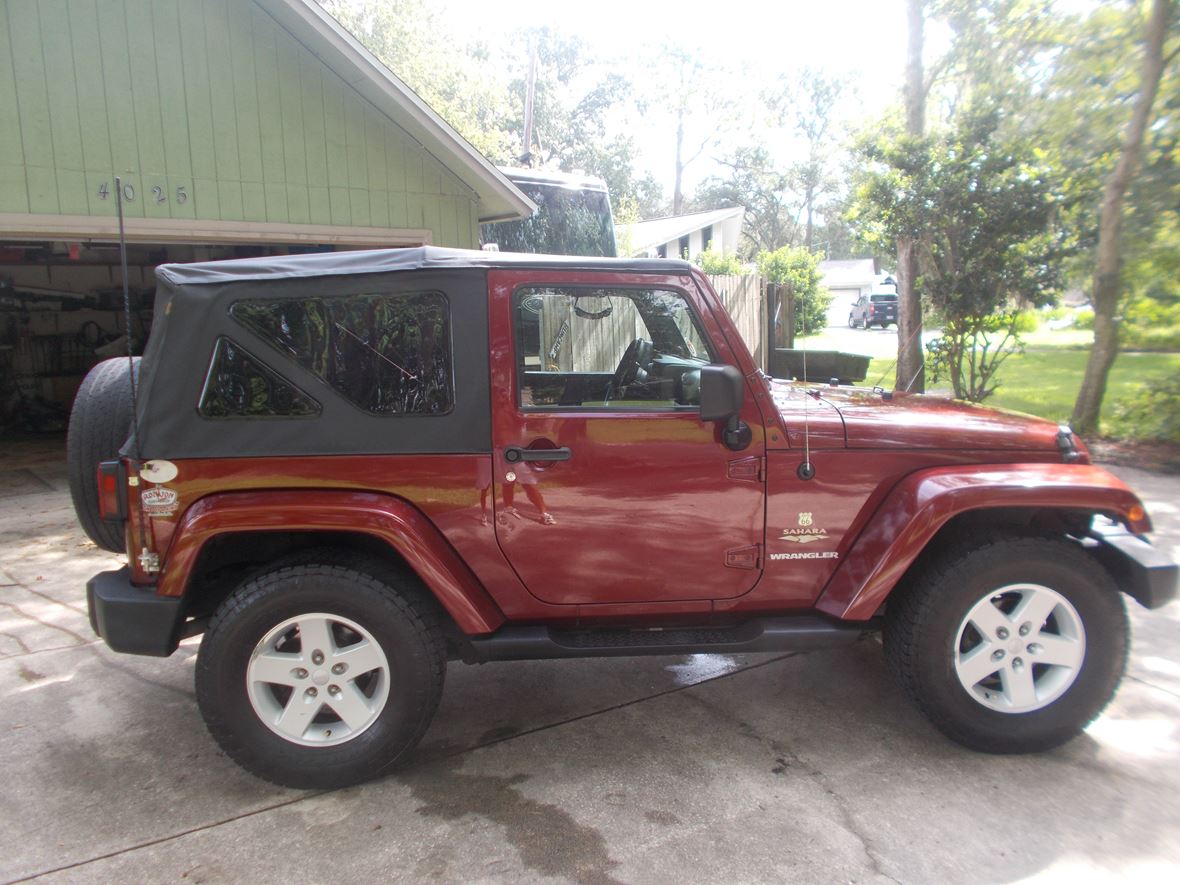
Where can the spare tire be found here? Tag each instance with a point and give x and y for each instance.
(100, 423)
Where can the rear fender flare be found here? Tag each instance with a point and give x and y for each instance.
(389, 519)
(923, 502)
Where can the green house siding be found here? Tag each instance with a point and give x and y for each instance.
(208, 110)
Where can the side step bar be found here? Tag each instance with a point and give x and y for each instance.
(802, 633)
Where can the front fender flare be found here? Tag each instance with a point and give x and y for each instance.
(389, 519)
(923, 502)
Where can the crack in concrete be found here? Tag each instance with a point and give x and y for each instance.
(413, 766)
(1143, 681)
(50, 626)
(784, 758)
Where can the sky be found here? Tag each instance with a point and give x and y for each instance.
(861, 39)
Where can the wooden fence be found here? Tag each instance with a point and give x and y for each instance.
(745, 299)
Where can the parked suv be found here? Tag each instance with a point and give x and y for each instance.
(878, 309)
(347, 469)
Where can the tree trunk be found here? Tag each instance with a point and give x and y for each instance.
(677, 192)
(911, 373)
(1108, 256)
(810, 221)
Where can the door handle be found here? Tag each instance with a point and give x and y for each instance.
(513, 454)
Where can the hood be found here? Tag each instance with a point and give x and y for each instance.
(915, 421)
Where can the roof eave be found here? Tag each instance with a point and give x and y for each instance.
(312, 26)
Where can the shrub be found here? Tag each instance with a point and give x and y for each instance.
(716, 263)
(1026, 321)
(1153, 414)
(798, 269)
(1084, 319)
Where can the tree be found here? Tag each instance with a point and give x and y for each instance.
(806, 106)
(753, 181)
(798, 270)
(1108, 254)
(910, 364)
(456, 81)
(981, 212)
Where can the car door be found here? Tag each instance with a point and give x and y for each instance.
(608, 486)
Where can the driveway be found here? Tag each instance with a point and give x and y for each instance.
(692, 769)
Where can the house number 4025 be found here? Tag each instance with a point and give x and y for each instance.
(159, 195)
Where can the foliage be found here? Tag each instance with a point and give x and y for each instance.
(1044, 382)
(805, 103)
(798, 270)
(982, 210)
(456, 81)
(626, 213)
(755, 182)
(1153, 414)
(716, 263)
(1151, 323)
(971, 350)
(1026, 321)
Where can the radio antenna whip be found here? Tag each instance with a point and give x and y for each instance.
(805, 470)
(127, 319)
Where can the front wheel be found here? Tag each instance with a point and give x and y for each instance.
(1012, 645)
(319, 676)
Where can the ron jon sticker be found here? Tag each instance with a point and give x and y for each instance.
(159, 501)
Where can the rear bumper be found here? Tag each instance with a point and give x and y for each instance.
(1141, 571)
(130, 619)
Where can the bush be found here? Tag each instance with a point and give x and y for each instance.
(1026, 321)
(1153, 414)
(1084, 319)
(798, 269)
(970, 351)
(1150, 324)
(718, 264)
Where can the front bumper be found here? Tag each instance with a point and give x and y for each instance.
(1141, 571)
(131, 619)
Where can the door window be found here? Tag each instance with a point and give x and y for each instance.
(599, 348)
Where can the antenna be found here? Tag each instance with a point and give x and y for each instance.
(127, 319)
(145, 558)
(806, 470)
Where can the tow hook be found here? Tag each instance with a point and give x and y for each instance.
(149, 561)
(1066, 444)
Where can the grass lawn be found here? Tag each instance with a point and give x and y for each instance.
(1044, 380)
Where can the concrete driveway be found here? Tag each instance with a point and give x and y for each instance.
(760, 768)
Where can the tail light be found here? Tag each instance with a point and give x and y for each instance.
(112, 497)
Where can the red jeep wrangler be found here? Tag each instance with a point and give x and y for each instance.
(346, 469)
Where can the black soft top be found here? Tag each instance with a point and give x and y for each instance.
(327, 264)
(192, 312)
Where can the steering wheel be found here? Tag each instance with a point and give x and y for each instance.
(634, 365)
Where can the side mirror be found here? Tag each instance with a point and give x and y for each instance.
(722, 393)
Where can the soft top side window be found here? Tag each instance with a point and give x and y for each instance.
(239, 385)
(389, 354)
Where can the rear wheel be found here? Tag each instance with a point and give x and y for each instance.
(319, 675)
(100, 423)
(1012, 646)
